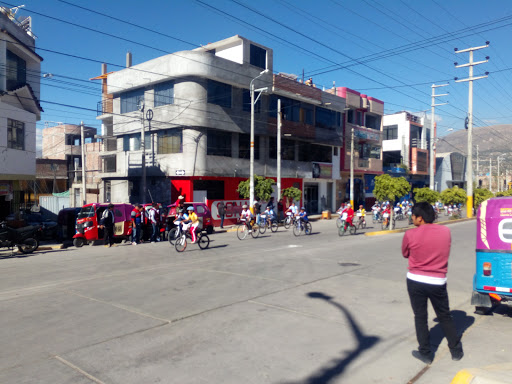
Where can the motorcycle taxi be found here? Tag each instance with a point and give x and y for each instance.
(89, 218)
(492, 282)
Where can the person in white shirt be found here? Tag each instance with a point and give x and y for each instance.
(152, 216)
(246, 216)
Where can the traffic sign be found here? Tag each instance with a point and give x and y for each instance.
(180, 172)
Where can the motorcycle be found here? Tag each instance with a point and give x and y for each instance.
(24, 238)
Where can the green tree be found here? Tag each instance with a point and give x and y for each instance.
(480, 195)
(291, 194)
(390, 188)
(508, 192)
(262, 188)
(426, 194)
(453, 195)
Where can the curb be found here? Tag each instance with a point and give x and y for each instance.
(499, 374)
(50, 247)
(378, 233)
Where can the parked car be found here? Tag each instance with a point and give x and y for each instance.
(27, 218)
(202, 211)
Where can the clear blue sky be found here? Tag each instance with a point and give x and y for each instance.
(310, 36)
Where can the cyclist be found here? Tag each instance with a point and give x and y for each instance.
(269, 215)
(302, 215)
(246, 216)
(191, 223)
(350, 214)
(361, 213)
(180, 218)
(386, 213)
(293, 209)
(376, 211)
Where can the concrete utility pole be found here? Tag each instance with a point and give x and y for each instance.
(469, 170)
(143, 151)
(477, 167)
(432, 130)
(352, 167)
(498, 178)
(84, 189)
(278, 149)
(251, 166)
(490, 174)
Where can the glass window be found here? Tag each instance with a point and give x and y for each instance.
(16, 71)
(373, 121)
(313, 152)
(218, 143)
(170, 141)
(247, 102)
(244, 146)
(219, 93)
(15, 134)
(328, 119)
(130, 100)
(132, 142)
(199, 209)
(164, 93)
(390, 132)
(258, 56)
(287, 149)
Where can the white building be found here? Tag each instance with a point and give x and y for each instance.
(20, 68)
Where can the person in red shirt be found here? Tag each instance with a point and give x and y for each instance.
(350, 214)
(427, 247)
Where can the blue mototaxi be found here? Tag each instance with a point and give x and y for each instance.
(492, 282)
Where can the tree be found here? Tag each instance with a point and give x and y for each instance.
(508, 192)
(291, 194)
(390, 188)
(453, 195)
(426, 194)
(480, 195)
(262, 188)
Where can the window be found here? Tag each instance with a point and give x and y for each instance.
(287, 149)
(313, 152)
(218, 143)
(247, 102)
(291, 110)
(170, 141)
(350, 117)
(258, 56)
(373, 122)
(390, 132)
(214, 190)
(219, 93)
(16, 71)
(244, 146)
(15, 134)
(132, 142)
(164, 93)
(130, 100)
(328, 119)
(109, 164)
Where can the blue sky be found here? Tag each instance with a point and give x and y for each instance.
(383, 48)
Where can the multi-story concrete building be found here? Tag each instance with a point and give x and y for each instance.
(450, 171)
(20, 68)
(198, 140)
(406, 147)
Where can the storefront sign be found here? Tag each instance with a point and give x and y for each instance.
(5, 188)
(233, 208)
(322, 171)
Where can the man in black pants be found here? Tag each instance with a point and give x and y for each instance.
(108, 225)
(427, 247)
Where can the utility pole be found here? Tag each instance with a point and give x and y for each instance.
(352, 167)
(469, 119)
(432, 131)
(84, 197)
(140, 106)
(490, 174)
(278, 149)
(477, 167)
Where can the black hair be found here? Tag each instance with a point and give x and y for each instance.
(111, 205)
(425, 211)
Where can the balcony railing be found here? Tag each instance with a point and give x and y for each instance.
(104, 106)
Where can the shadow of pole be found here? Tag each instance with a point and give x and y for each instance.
(336, 367)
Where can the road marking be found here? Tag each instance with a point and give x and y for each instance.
(73, 366)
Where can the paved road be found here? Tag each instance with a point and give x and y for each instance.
(277, 309)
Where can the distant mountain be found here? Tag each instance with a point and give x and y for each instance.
(492, 141)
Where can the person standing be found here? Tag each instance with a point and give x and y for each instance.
(107, 222)
(427, 248)
(280, 210)
(136, 224)
(222, 211)
(152, 217)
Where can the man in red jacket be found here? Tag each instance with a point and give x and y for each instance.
(428, 247)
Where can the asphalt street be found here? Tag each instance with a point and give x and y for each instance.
(277, 309)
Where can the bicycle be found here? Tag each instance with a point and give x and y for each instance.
(361, 223)
(289, 220)
(243, 230)
(267, 223)
(341, 219)
(346, 227)
(377, 217)
(173, 234)
(202, 240)
(301, 226)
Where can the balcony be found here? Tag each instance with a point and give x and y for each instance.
(104, 106)
(364, 165)
(296, 89)
(363, 134)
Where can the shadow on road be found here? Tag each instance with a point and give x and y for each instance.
(462, 322)
(336, 367)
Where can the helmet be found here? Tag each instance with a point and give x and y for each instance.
(348, 205)
(244, 206)
(302, 208)
(191, 208)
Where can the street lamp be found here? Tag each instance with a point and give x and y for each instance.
(251, 175)
(498, 181)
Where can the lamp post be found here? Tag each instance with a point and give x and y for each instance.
(498, 181)
(251, 171)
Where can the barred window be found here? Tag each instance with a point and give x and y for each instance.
(218, 143)
(15, 134)
(170, 141)
(164, 93)
(130, 100)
